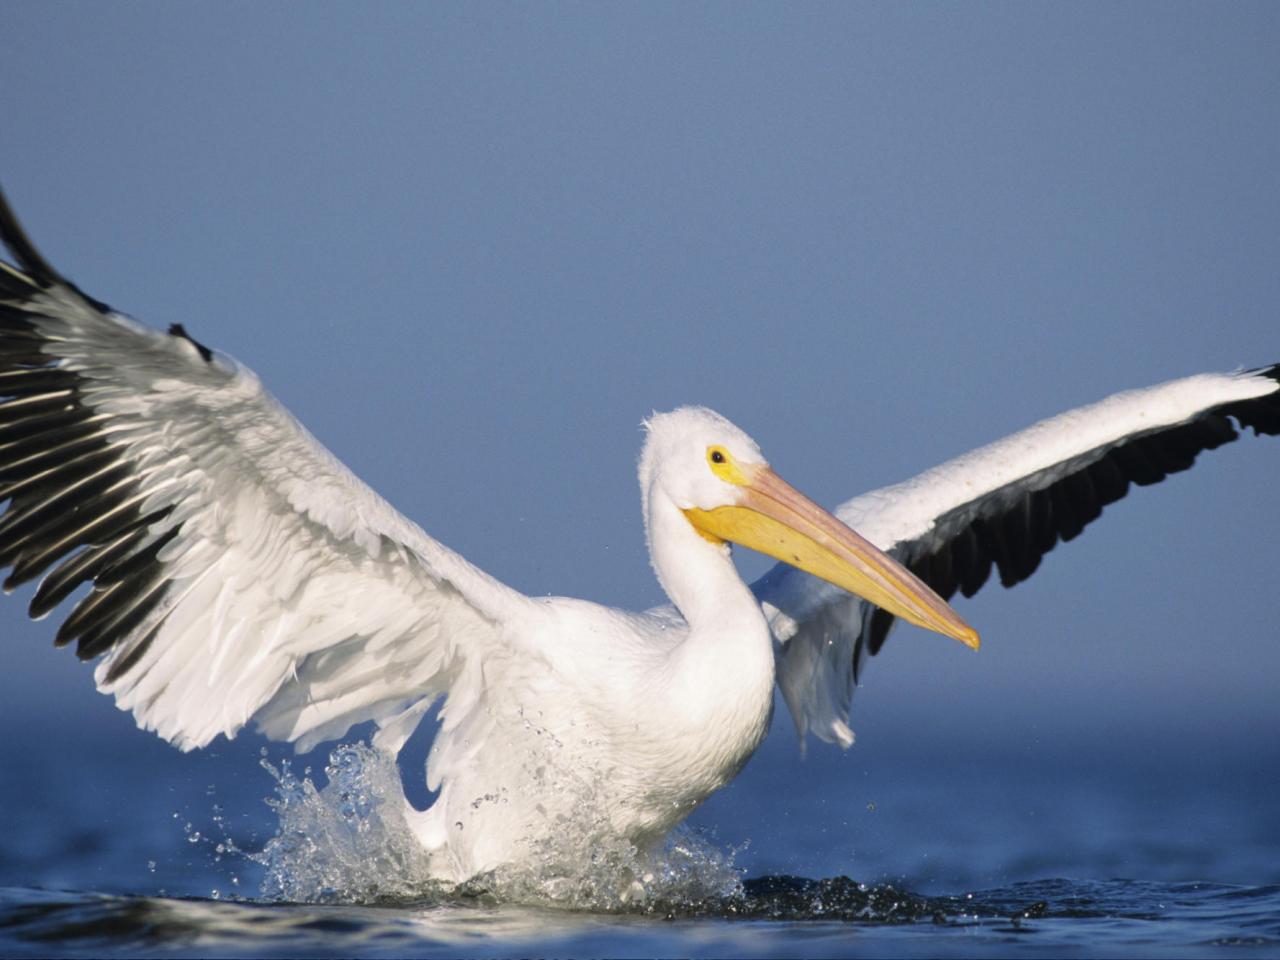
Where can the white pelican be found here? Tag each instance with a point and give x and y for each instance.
(241, 575)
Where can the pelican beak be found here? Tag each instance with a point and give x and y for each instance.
(777, 519)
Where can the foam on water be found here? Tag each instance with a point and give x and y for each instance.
(349, 841)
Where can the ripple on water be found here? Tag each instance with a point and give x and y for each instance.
(772, 915)
(344, 875)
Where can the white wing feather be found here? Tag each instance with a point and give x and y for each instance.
(824, 632)
(292, 596)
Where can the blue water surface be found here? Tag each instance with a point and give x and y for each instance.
(892, 849)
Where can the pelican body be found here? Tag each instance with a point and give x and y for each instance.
(239, 575)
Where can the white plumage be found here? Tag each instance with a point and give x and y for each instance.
(242, 575)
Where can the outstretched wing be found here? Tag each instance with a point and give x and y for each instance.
(1004, 505)
(237, 571)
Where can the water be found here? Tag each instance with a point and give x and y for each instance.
(781, 916)
(130, 848)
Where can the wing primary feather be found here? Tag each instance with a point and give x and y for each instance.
(37, 458)
(30, 547)
(24, 382)
(1066, 512)
(60, 473)
(1044, 536)
(128, 658)
(117, 622)
(14, 451)
(85, 611)
(31, 513)
(63, 580)
(135, 562)
(1109, 482)
(30, 259)
(28, 358)
(121, 517)
(51, 424)
(15, 319)
(941, 572)
(1169, 450)
(1137, 466)
(973, 561)
(1014, 527)
(988, 536)
(38, 404)
(111, 610)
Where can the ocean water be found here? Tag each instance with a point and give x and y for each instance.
(1010, 850)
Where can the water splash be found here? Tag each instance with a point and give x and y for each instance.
(349, 842)
(586, 867)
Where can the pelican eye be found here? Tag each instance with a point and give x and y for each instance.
(722, 464)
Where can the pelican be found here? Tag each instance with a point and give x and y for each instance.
(238, 574)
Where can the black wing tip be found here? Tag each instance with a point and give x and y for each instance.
(31, 260)
(1261, 414)
(1271, 372)
(1015, 540)
(24, 251)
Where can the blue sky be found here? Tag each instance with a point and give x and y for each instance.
(471, 247)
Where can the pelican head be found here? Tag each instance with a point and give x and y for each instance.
(718, 478)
